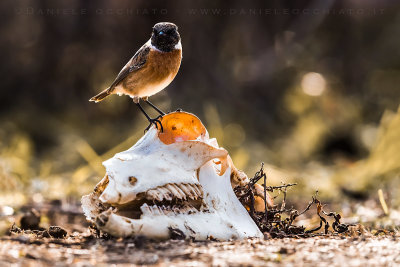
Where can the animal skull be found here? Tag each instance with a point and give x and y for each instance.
(175, 181)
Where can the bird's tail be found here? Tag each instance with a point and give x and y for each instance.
(101, 96)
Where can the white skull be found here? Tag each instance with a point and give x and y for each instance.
(177, 180)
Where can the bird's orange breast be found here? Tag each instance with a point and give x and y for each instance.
(160, 69)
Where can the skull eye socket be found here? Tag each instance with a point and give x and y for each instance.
(180, 126)
(132, 180)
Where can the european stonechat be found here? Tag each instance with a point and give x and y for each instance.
(150, 70)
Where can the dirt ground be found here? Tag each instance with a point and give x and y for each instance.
(74, 242)
(84, 250)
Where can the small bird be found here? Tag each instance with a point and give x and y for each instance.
(150, 70)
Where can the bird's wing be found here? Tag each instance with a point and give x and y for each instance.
(135, 63)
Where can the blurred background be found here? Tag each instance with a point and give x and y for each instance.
(310, 88)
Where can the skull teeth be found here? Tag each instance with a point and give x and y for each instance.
(154, 194)
(188, 209)
(167, 194)
(193, 191)
(179, 191)
(198, 190)
(145, 209)
(176, 191)
(165, 210)
(185, 189)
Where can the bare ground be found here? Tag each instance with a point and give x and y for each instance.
(75, 243)
(83, 249)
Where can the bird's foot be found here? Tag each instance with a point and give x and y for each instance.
(155, 121)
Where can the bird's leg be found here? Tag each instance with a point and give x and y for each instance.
(152, 121)
(153, 106)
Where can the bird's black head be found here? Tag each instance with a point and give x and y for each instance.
(165, 36)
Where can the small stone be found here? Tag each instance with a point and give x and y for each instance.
(23, 239)
(31, 220)
(140, 241)
(283, 250)
(57, 232)
(267, 236)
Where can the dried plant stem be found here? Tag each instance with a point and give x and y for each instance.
(272, 221)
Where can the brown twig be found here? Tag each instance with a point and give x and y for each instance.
(271, 220)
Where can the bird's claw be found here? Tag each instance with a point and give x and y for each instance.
(155, 121)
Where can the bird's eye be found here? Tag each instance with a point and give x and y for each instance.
(160, 33)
